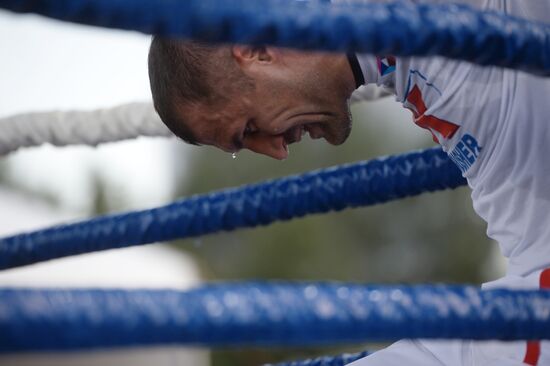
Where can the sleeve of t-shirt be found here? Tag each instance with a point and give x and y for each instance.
(369, 92)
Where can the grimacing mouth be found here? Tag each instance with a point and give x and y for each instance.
(310, 123)
(296, 133)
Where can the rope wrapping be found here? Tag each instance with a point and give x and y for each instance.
(123, 122)
(359, 184)
(398, 28)
(265, 314)
(341, 360)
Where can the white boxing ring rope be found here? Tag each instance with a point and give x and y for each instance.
(61, 128)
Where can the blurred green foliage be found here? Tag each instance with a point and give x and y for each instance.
(431, 238)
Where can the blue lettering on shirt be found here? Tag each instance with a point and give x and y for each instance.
(465, 153)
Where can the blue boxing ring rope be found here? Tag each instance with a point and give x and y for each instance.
(266, 314)
(278, 313)
(340, 360)
(450, 30)
(359, 184)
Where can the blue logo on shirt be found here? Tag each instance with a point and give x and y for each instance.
(465, 153)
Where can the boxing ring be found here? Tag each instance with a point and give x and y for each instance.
(256, 313)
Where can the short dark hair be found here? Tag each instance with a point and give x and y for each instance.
(183, 72)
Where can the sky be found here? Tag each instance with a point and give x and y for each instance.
(48, 65)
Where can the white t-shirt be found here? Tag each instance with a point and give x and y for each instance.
(495, 125)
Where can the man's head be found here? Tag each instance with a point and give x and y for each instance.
(258, 98)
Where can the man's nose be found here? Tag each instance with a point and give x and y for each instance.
(270, 145)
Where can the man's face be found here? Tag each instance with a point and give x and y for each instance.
(294, 94)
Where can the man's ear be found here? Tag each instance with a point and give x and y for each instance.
(248, 55)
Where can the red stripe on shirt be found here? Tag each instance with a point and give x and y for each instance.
(432, 123)
(532, 354)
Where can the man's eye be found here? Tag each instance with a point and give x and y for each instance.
(250, 128)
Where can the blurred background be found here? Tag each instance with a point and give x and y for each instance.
(47, 65)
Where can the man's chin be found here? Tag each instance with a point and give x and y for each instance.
(337, 142)
(340, 136)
